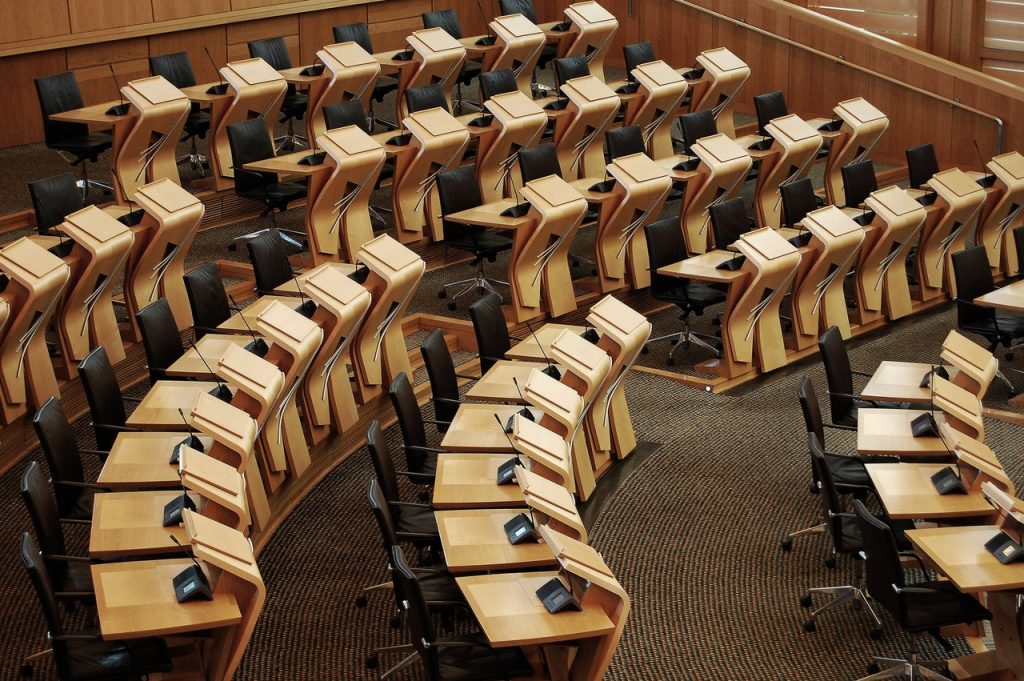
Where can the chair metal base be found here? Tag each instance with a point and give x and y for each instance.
(289, 142)
(478, 282)
(196, 161)
(787, 543)
(840, 596)
(912, 669)
(685, 337)
(84, 185)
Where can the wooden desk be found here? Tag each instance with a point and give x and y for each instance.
(898, 382)
(529, 349)
(142, 460)
(510, 614)
(131, 524)
(474, 429)
(907, 493)
(159, 408)
(135, 599)
(887, 432)
(1009, 298)
(470, 481)
(489, 215)
(499, 383)
(96, 115)
(474, 540)
(252, 311)
(207, 352)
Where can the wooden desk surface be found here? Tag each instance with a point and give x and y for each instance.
(469, 481)
(528, 349)
(159, 408)
(131, 524)
(199, 94)
(94, 113)
(703, 267)
(887, 431)
(252, 311)
(211, 348)
(474, 429)
(142, 460)
(489, 215)
(474, 540)
(497, 385)
(960, 553)
(288, 164)
(136, 599)
(295, 77)
(907, 492)
(511, 614)
(1009, 297)
(898, 382)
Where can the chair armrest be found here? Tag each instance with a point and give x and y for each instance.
(468, 377)
(67, 559)
(117, 429)
(80, 485)
(836, 426)
(76, 521)
(408, 504)
(861, 373)
(447, 400)
(426, 449)
(920, 561)
(74, 594)
(76, 637)
(437, 423)
(129, 398)
(420, 478)
(913, 590)
(97, 452)
(852, 397)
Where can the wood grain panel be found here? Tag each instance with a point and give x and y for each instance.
(24, 123)
(107, 53)
(164, 10)
(98, 86)
(214, 39)
(913, 119)
(315, 28)
(394, 9)
(693, 31)
(263, 28)
(768, 59)
(390, 35)
(250, 4)
(46, 18)
(96, 15)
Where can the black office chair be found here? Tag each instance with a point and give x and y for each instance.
(843, 400)
(465, 658)
(207, 299)
(636, 54)
(444, 381)
(922, 607)
(59, 93)
(567, 68)
(160, 338)
(858, 182)
(344, 114)
(250, 141)
(63, 457)
(772, 105)
(414, 523)
(268, 253)
(1018, 244)
(458, 190)
(491, 331)
(973, 278)
(359, 33)
(526, 8)
(624, 141)
(425, 97)
(729, 221)
(498, 82)
(86, 656)
(106, 401)
(695, 126)
(274, 51)
(921, 164)
(448, 20)
(70, 574)
(420, 460)
(177, 69)
(798, 199)
(53, 199)
(665, 245)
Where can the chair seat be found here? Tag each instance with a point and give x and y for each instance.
(945, 607)
(294, 106)
(478, 661)
(86, 146)
(847, 470)
(116, 660)
(286, 191)
(77, 578)
(850, 419)
(1010, 325)
(483, 244)
(440, 588)
(696, 295)
(416, 521)
(197, 123)
(384, 86)
(82, 510)
(470, 70)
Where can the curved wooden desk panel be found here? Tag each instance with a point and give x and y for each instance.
(863, 125)
(660, 93)
(437, 59)
(724, 75)
(724, 166)
(353, 73)
(519, 42)
(795, 148)
(590, 34)
(579, 134)
(149, 151)
(520, 124)
(1001, 213)
(945, 230)
(882, 285)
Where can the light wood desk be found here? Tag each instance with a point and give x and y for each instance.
(249, 313)
(474, 540)
(499, 383)
(1001, 212)
(591, 29)
(349, 73)
(723, 167)
(207, 352)
(529, 349)
(580, 131)
(716, 89)
(887, 432)
(517, 46)
(142, 460)
(898, 381)
(120, 126)
(437, 58)
(862, 127)
(1009, 298)
(474, 429)
(149, 150)
(470, 481)
(907, 493)
(793, 150)
(126, 524)
(519, 123)
(158, 410)
(945, 230)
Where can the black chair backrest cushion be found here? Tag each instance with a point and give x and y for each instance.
(274, 51)
(410, 422)
(53, 199)
(62, 456)
(696, 125)
(567, 68)
(539, 161)
(383, 466)
(206, 297)
(59, 93)
(524, 7)
(921, 164)
(728, 221)
(343, 114)
(882, 567)
(103, 395)
(798, 199)
(421, 623)
(492, 338)
(458, 190)
(624, 141)
(973, 278)
(443, 18)
(858, 182)
(497, 83)
(1018, 243)
(426, 97)
(832, 506)
(838, 373)
(40, 579)
(358, 33)
(636, 54)
(160, 337)
(42, 510)
(444, 384)
(811, 409)
(175, 67)
(665, 245)
(269, 259)
(769, 106)
(250, 141)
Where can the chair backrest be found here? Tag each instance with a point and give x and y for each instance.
(421, 625)
(843, 542)
(410, 422)
(729, 220)
(882, 563)
(53, 199)
(567, 68)
(444, 384)
(1018, 243)
(696, 125)
(175, 67)
(539, 161)
(798, 199)
(624, 141)
(160, 337)
(921, 164)
(59, 93)
(838, 374)
(250, 141)
(769, 106)
(811, 409)
(636, 54)
(458, 190)
(492, 338)
(274, 51)
(40, 578)
(358, 33)
(524, 7)
(45, 516)
(973, 278)
(426, 97)
(104, 396)
(270, 265)
(665, 245)
(342, 114)
(443, 18)
(497, 82)
(383, 466)
(858, 182)
(379, 508)
(206, 298)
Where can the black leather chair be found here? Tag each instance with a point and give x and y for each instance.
(798, 199)
(537, 162)
(921, 164)
(64, 459)
(274, 51)
(973, 278)
(106, 401)
(250, 141)
(343, 114)
(86, 656)
(448, 19)
(624, 141)
(636, 54)
(491, 331)
(567, 68)
(843, 400)
(497, 82)
(425, 97)
(271, 268)
(858, 182)
(420, 460)
(695, 126)
(729, 220)
(207, 299)
(458, 190)
(414, 523)
(59, 93)
(922, 607)
(465, 658)
(665, 245)
(160, 338)
(70, 575)
(177, 69)
(359, 33)
(444, 381)
(53, 199)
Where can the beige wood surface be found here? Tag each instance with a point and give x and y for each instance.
(128, 524)
(497, 384)
(159, 408)
(143, 460)
(907, 493)
(474, 429)
(474, 540)
(887, 431)
(470, 481)
(1009, 298)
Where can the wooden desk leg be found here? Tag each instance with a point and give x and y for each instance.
(1006, 630)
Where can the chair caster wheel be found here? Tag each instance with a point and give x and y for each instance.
(873, 668)
(480, 290)
(830, 563)
(372, 661)
(451, 305)
(644, 350)
(232, 247)
(812, 488)
(810, 626)
(805, 601)
(26, 671)
(360, 601)
(876, 634)
(787, 545)
(395, 622)
(442, 294)
(856, 605)
(670, 361)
